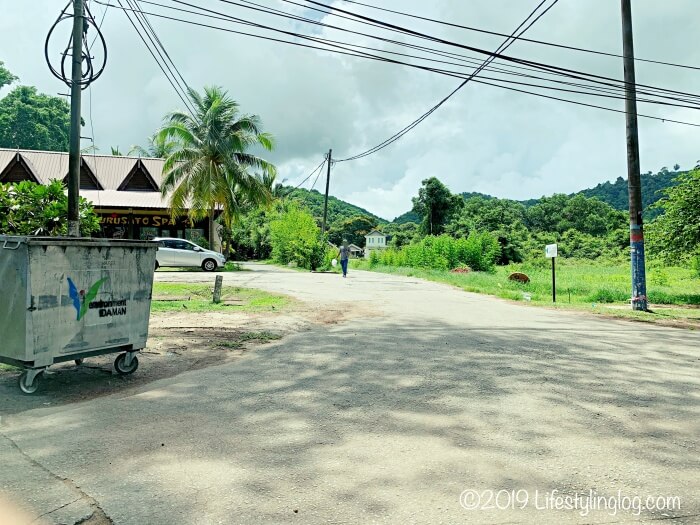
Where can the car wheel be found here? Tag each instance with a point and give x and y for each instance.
(209, 265)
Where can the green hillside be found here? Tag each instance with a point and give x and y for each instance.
(409, 216)
(613, 193)
(338, 210)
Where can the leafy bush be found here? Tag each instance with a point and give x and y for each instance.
(478, 251)
(28, 208)
(695, 265)
(296, 238)
(608, 295)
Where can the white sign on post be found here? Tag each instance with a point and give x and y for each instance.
(550, 250)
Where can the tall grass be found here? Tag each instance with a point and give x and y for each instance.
(578, 281)
(479, 252)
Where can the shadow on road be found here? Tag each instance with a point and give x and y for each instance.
(391, 419)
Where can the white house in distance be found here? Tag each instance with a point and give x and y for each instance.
(374, 240)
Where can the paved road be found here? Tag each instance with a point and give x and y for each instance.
(386, 417)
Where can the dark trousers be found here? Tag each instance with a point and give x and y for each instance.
(344, 265)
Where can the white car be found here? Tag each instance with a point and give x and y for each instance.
(181, 252)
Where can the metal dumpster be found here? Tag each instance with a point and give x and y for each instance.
(65, 299)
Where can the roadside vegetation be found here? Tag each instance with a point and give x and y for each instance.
(578, 282)
(190, 297)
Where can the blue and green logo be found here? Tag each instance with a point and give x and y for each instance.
(82, 300)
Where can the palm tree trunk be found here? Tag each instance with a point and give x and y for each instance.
(211, 228)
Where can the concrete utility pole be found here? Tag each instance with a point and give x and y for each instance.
(75, 95)
(328, 183)
(639, 284)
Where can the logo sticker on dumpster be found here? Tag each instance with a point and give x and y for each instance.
(81, 299)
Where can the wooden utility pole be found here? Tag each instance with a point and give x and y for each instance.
(639, 285)
(75, 95)
(325, 201)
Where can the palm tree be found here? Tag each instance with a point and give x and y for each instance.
(159, 147)
(210, 167)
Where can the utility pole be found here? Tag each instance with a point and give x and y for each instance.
(639, 285)
(328, 183)
(75, 95)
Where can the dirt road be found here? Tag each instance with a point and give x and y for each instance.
(410, 395)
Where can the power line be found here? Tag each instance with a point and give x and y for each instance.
(317, 169)
(373, 57)
(342, 45)
(162, 47)
(507, 43)
(162, 68)
(529, 40)
(564, 71)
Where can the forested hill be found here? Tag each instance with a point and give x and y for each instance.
(337, 209)
(613, 193)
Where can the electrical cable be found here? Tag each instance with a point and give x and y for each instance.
(177, 91)
(505, 45)
(318, 168)
(160, 50)
(417, 34)
(298, 44)
(343, 45)
(89, 73)
(529, 40)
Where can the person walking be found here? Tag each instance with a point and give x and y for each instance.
(344, 256)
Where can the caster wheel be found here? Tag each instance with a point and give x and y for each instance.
(79, 362)
(25, 386)
(120, 365)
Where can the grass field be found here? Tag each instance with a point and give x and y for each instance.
(200, 299)
(580, 285)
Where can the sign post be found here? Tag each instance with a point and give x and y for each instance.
(551, 252)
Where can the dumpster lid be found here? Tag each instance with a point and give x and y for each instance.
(91, 242)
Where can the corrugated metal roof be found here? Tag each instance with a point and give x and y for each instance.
(47, 165)
(6, 156)
(109, 170)
(128, 199)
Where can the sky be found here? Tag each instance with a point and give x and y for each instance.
(484, 139)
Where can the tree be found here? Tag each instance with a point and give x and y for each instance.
(28, 208)
(435, 205)
(159, 147)
(353, 229)
(6, 78)
(402, 234)
(675, 234)
(32, 120)
(295, 237)
(210, 166)
(116, 152)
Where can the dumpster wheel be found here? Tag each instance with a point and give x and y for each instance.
(122, 368)
(29, 381)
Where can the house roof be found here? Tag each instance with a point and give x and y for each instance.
(110, 171)
(375, 232)
(354, 247)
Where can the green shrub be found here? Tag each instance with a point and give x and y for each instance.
(607, 295)
(374, 258)
(479, 251)
(695, 265)
(296, 238)
(28, 208)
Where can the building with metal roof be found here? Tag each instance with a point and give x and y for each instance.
(125, 191)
